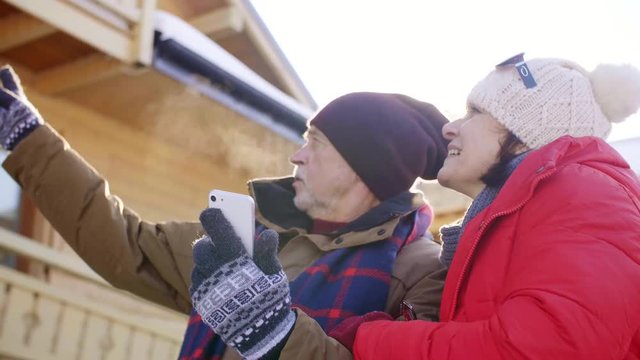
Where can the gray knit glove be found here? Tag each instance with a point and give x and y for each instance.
(246, 303)
(18, 118)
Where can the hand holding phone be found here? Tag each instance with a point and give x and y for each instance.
(239, 209)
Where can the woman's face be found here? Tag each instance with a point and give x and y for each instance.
(474, 142)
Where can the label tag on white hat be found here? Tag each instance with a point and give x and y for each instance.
(522, 68)
(525, 75)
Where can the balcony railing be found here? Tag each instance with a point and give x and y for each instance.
(41, 321)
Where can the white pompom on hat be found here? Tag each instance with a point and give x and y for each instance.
(617, 90)
(566, 100)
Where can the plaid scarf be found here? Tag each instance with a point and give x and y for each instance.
(353, 281)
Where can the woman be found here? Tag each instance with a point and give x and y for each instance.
(546, 262)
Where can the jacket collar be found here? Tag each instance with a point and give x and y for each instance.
(275, 209)
(589, 151)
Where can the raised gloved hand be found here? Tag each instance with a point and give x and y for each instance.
(17, 116)
(245, 301)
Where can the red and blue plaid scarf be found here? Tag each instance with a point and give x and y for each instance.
(353, 281)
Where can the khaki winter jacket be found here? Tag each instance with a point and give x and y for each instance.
(154, 260)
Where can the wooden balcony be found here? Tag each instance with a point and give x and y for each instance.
(39, 320)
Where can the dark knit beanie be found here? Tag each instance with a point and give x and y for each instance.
(389, 140)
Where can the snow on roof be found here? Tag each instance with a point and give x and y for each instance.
(172, 27)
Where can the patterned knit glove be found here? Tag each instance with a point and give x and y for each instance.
(246, 303)
(18, 118)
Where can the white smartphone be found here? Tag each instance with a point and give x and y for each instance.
(239, 209)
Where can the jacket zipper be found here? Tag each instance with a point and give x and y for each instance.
(477, 239)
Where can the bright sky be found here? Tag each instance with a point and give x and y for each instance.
(437, 50)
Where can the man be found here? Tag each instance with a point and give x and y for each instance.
(351, 234)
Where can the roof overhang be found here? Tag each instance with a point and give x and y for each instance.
(184, 53)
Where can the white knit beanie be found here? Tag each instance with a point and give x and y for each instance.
(566, 100)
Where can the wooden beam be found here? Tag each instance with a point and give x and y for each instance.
(132, 17)
(18, 29)
(219, 21)
(80, 25)
(77, 73)
(128, 11)
(105, 13)
(143, 41)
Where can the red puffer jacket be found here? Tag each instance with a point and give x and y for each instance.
(550, 270)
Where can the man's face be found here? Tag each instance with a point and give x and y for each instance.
(322, 176)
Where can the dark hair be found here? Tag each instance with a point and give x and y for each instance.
(498, 174)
